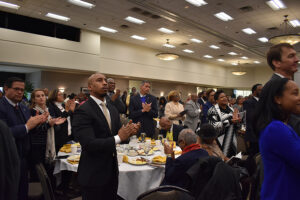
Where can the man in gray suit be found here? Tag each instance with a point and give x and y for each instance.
(192, 108)
(283, 60)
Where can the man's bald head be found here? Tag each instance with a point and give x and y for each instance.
(194, 97)
(165, 123)
(97, 85)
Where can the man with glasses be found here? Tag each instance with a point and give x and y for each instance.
(18, 119)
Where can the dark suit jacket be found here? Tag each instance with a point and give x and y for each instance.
(294, 120)
(61, 131)
(17, 127)
(176, 131)
(250, 105)
(146, 118)
(118, 103)
(175, 173)
(98, 164)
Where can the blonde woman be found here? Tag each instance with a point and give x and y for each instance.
(174, 108)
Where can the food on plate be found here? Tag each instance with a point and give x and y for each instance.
(74, 159)
(142, 152)
(137, 161)
(159, 159)
(155, 149)
(177, 152)
(125, 159)
(66, 148)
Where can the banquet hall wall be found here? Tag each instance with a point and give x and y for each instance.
(96, 53)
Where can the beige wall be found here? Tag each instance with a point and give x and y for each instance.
(96, 53)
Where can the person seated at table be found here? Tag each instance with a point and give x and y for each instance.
(176, 168)
(169, 130)
(207, 140)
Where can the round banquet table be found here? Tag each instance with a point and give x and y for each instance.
(133, 180)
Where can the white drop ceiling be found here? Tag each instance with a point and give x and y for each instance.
(186, 20)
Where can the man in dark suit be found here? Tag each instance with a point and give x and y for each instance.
(167, 125)
(175, 172)
(283, 60)
(18, 119)
(249, 106)
(97, 126)
(114, 97)
(143, 108)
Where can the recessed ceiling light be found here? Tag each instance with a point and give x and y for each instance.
(207, 56)
(263, 39)
(248, 31)
(244, 57)
(82, 3)
(196, 2)
(103, 28)
(134, 20)
(221, 60)
(214, 47)
(223, 16)
(196, 40)
(232, 53)
(234, 63)
(138, 37)
(59, 17)
(168, 45)
(276, 4)
(256, 62)
(295, 22)
(9, 5)
(165, 30)
(188, 51)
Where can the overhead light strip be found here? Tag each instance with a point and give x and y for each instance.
(276, 4)
(59, 17)
(196, 40)
(165, 30)
(188, 51)
(138, 37)
(110, 30)
(197, 3)
(82, 3)
(134, 20)
(223, 16)
(9, 5)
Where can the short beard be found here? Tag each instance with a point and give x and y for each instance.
(103, 95)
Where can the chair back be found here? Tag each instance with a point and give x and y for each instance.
(45, 182)
(166, 192)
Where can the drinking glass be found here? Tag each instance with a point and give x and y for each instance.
(143, 137)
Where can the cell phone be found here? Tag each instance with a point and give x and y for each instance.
(183, 112)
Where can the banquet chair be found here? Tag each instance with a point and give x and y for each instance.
(45, 182)
(166, 192)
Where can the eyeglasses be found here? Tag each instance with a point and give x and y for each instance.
(18, 89)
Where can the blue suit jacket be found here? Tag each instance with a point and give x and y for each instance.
(18, 129)
(175, 173)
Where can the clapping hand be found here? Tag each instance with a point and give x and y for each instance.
(127, 131)
(36, 120)
(56, 121)
(146, 107)
(70, 105)
(116, 95)
(235, 117)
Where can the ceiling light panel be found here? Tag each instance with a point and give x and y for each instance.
(110, 30)
(82, 3)
(134, 20)
(188, 51)
(138, 37)
(165, 30)
(263, 39)
(214, 47)
(244, 57)
(223, 16)
(197, 3)
(234, 63)
(295, 23)
(232, 53)
(256, 62)
(221, 60)
(196, 40)
(169, 45)
(59, 17)
(9, 5)
(207, 56)
(276, 4)
(249, 31)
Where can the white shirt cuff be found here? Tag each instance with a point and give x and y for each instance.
(117, 139)
(26, 128)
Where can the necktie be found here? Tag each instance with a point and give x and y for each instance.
(19, 114)
(106, 114)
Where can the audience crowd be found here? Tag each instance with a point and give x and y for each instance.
(206, 125)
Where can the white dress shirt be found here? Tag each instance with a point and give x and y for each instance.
(99, 102)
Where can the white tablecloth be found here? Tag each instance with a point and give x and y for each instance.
(133, 180)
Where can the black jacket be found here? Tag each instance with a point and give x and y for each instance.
(212, 179)
(146, 118)
(98, 162)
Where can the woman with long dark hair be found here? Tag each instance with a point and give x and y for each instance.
(161, 106)
(279, 144)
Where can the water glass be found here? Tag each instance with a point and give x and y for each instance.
(143, 137)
